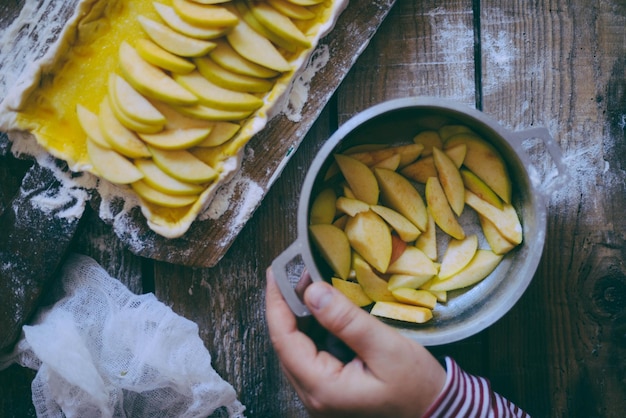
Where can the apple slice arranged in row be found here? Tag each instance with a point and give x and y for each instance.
(379, 236)
(202, 69)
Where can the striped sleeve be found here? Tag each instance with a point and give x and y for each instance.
(465, 395)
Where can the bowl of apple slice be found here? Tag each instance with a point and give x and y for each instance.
(425, 212)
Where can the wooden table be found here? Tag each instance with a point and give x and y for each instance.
(561, 351)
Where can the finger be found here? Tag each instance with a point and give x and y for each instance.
(368, 337)
(295, 350)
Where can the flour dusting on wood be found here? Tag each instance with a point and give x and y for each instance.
(68, 202)
(300, 89)
(451, 36)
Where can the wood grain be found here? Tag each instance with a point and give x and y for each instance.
(569, 79)
(561, 350)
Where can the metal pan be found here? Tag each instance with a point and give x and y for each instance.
(468, 311)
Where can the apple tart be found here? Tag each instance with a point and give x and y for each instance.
(160, 97)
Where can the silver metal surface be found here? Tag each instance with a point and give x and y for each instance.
(467, 311)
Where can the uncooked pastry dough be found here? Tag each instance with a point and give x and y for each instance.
(95, 17)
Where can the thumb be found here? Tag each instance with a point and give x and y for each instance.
(364, 334)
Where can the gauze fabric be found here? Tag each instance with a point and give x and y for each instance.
(102, 351)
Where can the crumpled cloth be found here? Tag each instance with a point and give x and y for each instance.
(102, 351)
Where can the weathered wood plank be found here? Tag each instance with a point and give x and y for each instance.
(564, 69)
(426, 48)
(98, 241)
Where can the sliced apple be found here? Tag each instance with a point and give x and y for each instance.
(397, 247)
(176, 120)
(209, 113)
(176, 139)
(341, 221)
(126, 120)
(221, 132)
(352, 291)
(151, 80)
(225, 56)
(334, 247)
(305, 2)
(159, 180)
(360, 178)
(399, 194)
(450, 180)
(415, 297)
(505, 219)
(111, 165)
(374, 286)
(323, 208)
(402, 312)
(231, 80)
(481, 266)
(174, 42)
(413, 262)
(486, 162)
(247, 16)
(162, 199)
(291, 10)
(457, 154)
(392, 163)
(211, 1)
(278, 23)
(204, 15)
(448, 131)
(427, 241)
(440, 209)
(133, 104)
(183, 165)
(351, 206)
(421, 170)
(424, 168)
(161, 58)
(496, 241)
(408, 153)
(174, 21)
(370, 236)
(474, 184)
(458, 254)
(397, 281)
(441, 295)
(428, 139)
(256, 48)
(405, 229)
(347, 191)
(119, 137)
(365, 148)
(90, 123)
(213, 95)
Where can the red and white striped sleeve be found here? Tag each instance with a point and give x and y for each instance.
(466, 395)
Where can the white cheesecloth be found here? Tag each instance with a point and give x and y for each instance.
(102, 351)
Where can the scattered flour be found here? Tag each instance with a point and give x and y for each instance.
(451, 36)
(300, 90)
(499, 53)
(69, 201)
(243, 192)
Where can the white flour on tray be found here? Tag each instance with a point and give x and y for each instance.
(29, 39)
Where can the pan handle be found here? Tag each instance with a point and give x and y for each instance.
(279, 268)
(555, 181)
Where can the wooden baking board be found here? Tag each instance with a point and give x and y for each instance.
(207, 240)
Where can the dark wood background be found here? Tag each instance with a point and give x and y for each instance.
(561, 351)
